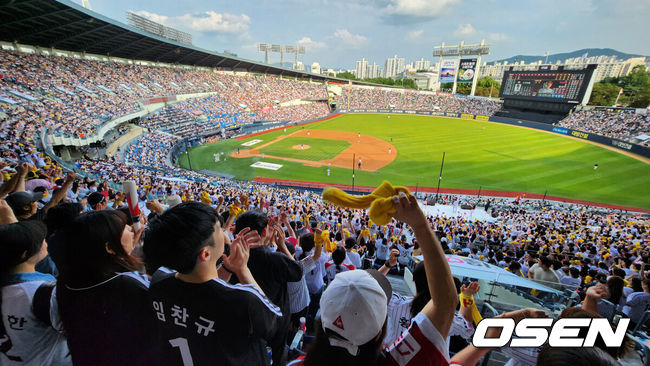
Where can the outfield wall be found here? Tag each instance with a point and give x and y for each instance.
(618, 144)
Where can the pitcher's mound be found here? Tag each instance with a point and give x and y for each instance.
(300, 147)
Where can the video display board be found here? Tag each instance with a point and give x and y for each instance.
(567, 86)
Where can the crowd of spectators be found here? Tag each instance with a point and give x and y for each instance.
(73, 97)
(151, 150)
(622, 125)
(310, 253)
(221, 271)
(382, 98)
(207, 115)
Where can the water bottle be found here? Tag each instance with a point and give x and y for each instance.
(297, 339)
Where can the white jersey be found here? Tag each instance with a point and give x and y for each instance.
(354, 258)
(399, 320)
(31, 341)
(383, 250)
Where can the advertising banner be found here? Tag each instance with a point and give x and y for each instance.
(466, 70)
(448, 71)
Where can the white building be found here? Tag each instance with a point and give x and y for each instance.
(394, 66)
(424, 80)
(362, 69)
(421, 64)
(607, 66)
(299, 66)
(374, 71)
(315, 68)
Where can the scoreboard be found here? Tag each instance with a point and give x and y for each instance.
(565, 86)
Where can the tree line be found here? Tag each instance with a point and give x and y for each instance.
(635, 86)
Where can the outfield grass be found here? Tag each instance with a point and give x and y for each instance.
(478, 154)
(318, 149)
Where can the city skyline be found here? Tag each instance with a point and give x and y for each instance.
(337, 34)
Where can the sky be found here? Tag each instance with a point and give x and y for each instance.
(336, 33)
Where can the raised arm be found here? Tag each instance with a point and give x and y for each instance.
(10, 185)
(440, 309)
(280, 240)
(471, 355)
(61, 192)
(22, 173)
(6, 214)
(594, 294)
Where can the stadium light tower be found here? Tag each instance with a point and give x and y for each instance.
(264, 47)
(295, 49)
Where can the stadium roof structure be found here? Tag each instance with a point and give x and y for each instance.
(65, 25)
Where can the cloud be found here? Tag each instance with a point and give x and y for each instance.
(413, 35)
(465, 30)
(498, 37)
(418, 8)
(349, 38)
(208, 21)
(310, 44)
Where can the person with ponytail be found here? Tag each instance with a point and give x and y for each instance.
(103, 300)
(30, 332)
(336, 265)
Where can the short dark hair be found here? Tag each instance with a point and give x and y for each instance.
(545, 261)
(62, 215)
(338, 256)
(253, 219)
(350, 243)
(176, 236)
(25, 237)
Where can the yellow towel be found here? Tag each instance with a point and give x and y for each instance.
(468, 302)
(235, 211)
(329, 245)
(379, 201)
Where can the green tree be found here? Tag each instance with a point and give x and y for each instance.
(604, 94)
(464, 88)
(642, 98)
(488, 82)
(346, 75)
(635, 85)
(446, 86)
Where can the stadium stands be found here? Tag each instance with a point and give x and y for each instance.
(622, 125)
(384, 98)
(73, 97)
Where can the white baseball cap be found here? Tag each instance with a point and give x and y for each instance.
(174, 200)
(354, 307)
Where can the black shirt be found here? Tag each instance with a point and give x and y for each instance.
(109, 323)
(272, 271)
(213, 323)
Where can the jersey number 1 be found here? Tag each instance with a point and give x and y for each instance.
(181, 343)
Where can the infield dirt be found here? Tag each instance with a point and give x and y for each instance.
(375, 153)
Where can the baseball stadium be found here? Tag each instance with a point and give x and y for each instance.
(165, 204)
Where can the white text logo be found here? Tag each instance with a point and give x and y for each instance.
(534, 332)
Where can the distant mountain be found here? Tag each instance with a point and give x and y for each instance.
(563, 56)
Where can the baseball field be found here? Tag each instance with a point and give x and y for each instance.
(408, 150)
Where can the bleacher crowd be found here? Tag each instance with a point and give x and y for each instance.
(73, 97)
(221, 272)
(382, 98)
(622, 125)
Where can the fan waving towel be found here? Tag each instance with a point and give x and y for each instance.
(380, 201)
